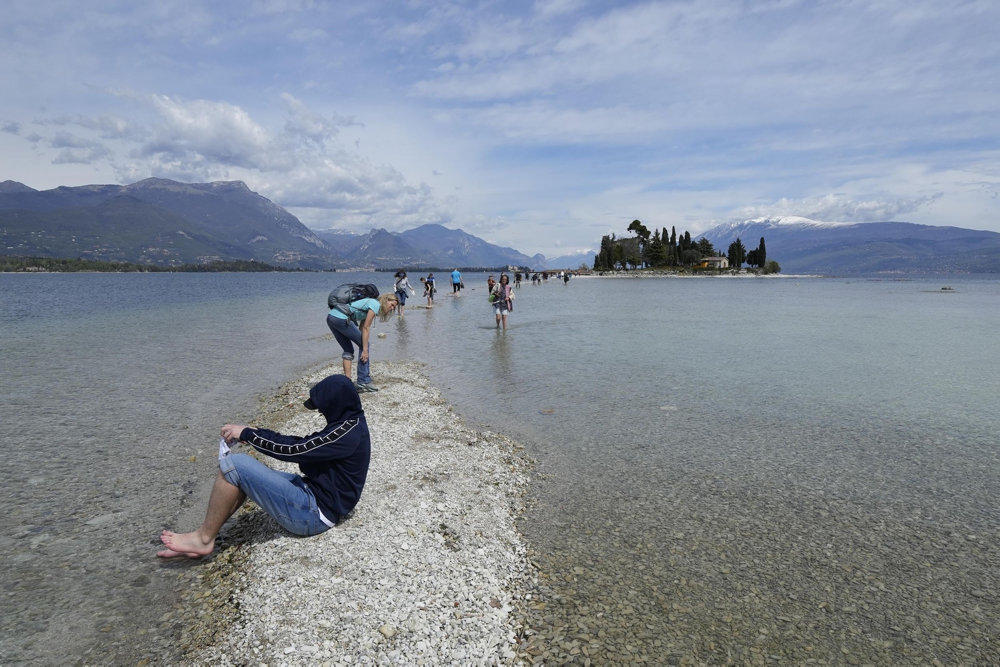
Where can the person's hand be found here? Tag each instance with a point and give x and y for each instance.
(231, 432)
(364, 356)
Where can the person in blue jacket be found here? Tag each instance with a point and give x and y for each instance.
(456, 281)
(333, 462)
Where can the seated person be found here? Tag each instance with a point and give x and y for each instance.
(333, 462)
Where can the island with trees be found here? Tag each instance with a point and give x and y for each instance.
(658, 250)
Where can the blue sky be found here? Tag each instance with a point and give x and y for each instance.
(536, 125)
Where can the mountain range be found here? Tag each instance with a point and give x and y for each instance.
(168, 223)
(801, 245)
(429, 245)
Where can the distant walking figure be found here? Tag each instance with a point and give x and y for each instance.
(400, 286)
(428, 291)
(503, 300)
(456, 281)
(491, 283)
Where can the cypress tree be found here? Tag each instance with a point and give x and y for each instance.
(737, 254)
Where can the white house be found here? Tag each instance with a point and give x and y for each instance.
(714, 263)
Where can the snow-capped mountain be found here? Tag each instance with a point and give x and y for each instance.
(781, 222)
(801, 245)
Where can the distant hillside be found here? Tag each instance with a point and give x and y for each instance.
(571, 261)
(429, 245)
(453, 246)
(382, 249)
(156, 221)
(167, 223)
(801, 245)
(342, 242)
(14, 186)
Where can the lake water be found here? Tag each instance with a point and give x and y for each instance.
(727, 468)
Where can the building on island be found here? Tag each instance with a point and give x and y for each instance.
(714, 263)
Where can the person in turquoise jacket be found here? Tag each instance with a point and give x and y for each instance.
(354, 328)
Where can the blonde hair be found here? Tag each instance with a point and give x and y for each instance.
(383, 304)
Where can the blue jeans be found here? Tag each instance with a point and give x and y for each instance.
(283, 495)
(348, 335)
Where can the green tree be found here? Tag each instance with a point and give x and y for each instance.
(656, 254)
(640, 230)
(705, 247)
(631, 252)
(737, 254)
(605, 260)
(758, 256)
(642, 233)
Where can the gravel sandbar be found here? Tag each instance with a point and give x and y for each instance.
(429, 568)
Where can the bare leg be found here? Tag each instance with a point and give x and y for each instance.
(504, 322)
(347, 368)
(222, 503)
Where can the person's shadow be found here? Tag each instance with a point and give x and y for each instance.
(251, 526)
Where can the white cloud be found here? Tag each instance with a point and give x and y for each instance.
(540, 125)
(300, 165)
(203, 131)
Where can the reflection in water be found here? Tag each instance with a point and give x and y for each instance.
(501, 360)
(402, 333)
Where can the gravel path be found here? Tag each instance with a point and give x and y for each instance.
(427, 569)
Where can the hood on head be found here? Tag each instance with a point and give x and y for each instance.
(336, 399)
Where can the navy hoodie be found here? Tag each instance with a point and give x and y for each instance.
(334, 461)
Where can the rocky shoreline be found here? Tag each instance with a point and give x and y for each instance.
(429, 568)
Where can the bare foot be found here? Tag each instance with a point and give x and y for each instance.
(170, 553)
(186, 544)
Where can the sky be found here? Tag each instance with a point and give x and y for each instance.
(540, 126)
